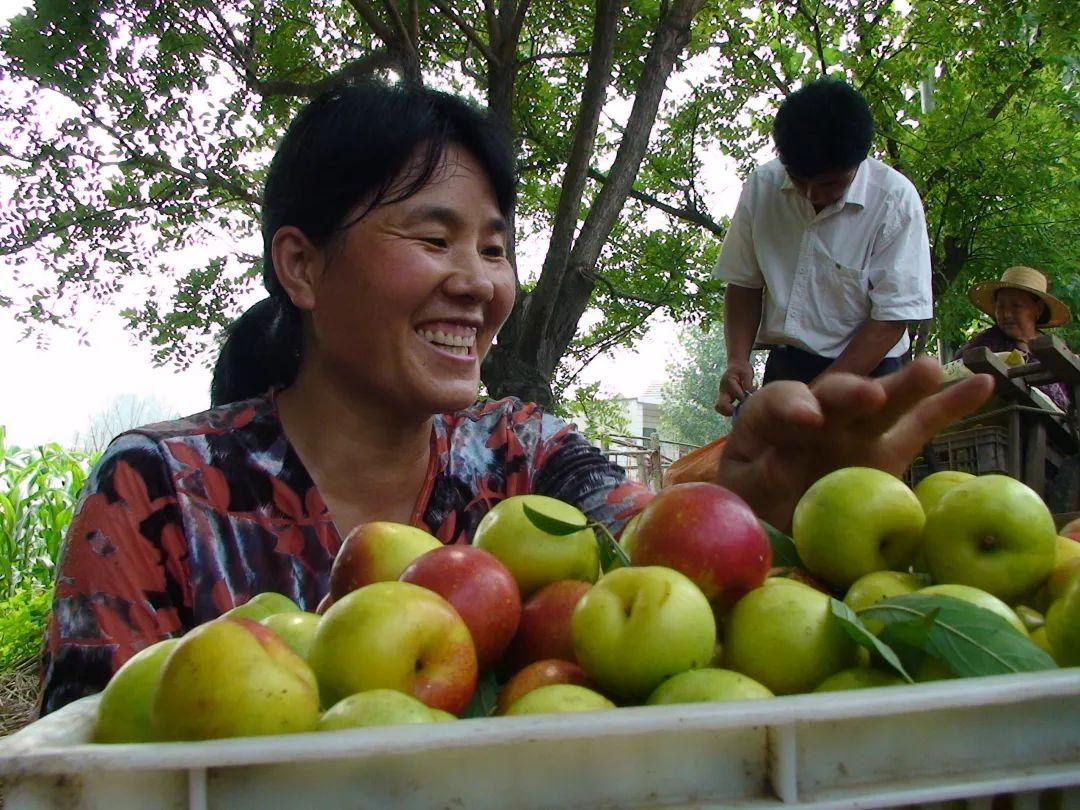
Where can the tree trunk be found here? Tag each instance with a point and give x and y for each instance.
(544, 324)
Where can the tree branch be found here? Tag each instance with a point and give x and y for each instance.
(467, 30)
(371, 17)
(698, 218)
(539, 57)
(364, 66)
(815, 29)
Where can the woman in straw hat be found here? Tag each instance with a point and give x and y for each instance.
(1020, 307)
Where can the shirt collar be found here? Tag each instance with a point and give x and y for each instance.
(855, 194)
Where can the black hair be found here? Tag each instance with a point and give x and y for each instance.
(348, 146)
(825, 126)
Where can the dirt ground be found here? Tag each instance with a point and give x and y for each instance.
(18, 693)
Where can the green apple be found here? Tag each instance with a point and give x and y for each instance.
(378, 551)
(785, 636)
(978, 597)
(859, 678)
(707, 685)
(1066, 563)
(295, 629)
(992, 533)
(262, 605)
(638, 626)
(1039, 639)
(559, 698)
(124, 710)
(854, 521)
(930, 489)
(533, 556)
(877, 587)
(626, 540)
(395, 635)
(233, 678)
(880, 585)
(1063, 625)
(379, 707)
(1031, 618)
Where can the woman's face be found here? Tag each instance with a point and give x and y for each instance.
(1017, 313)
(409, 300)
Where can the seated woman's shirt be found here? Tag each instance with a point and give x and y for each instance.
(181, 521)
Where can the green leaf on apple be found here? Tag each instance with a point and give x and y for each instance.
(484, 698)
(849, 620)
(612, 555)
(969, 640)
(784, 554)
(546, 523)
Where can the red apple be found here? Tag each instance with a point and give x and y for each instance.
(537, 674)
(482, 589)
(376, 552)
(544, 631)
(708, 533)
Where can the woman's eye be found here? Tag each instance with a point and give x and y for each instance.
(437, 241)
(495, 251)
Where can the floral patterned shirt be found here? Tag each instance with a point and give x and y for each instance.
(183, 520)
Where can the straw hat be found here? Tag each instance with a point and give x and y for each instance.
(1029, 280)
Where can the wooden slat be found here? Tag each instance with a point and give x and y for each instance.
(1056, 358)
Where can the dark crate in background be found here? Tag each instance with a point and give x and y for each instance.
(978, 451)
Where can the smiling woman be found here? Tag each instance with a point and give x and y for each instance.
(348, 396)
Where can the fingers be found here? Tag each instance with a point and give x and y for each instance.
(779, 414)
(845, 398)
(724, 403)
(935, 413)
(731, 389)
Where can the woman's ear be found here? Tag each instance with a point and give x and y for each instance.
(298, 264)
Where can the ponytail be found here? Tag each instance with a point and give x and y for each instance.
(261, 351)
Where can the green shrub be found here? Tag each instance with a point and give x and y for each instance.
(22, 626)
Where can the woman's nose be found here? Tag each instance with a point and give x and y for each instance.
(470, 278)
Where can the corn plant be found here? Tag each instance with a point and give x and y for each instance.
(38, 490)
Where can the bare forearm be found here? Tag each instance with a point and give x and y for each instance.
(869, 347)
(742, 317)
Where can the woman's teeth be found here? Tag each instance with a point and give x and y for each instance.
(455, 344)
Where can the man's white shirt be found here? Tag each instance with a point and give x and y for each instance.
(865, 257)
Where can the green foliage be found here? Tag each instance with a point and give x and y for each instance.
(687, 414)
(38, 491)
(131, 131)
(22, 626)
(597, 418)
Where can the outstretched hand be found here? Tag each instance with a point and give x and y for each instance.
(788, 435)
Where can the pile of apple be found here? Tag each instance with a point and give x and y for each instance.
(544, 612)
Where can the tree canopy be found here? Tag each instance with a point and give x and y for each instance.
(134, 132)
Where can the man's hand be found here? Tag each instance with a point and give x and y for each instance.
(736, 382)
(789, 434)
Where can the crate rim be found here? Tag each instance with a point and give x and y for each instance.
(21, 754)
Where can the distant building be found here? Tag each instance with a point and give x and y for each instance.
(642, 411)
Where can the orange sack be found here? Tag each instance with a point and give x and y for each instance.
(698, 465)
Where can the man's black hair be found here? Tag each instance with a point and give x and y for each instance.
(823, 127)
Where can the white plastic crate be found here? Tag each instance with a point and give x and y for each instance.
(898, 746)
